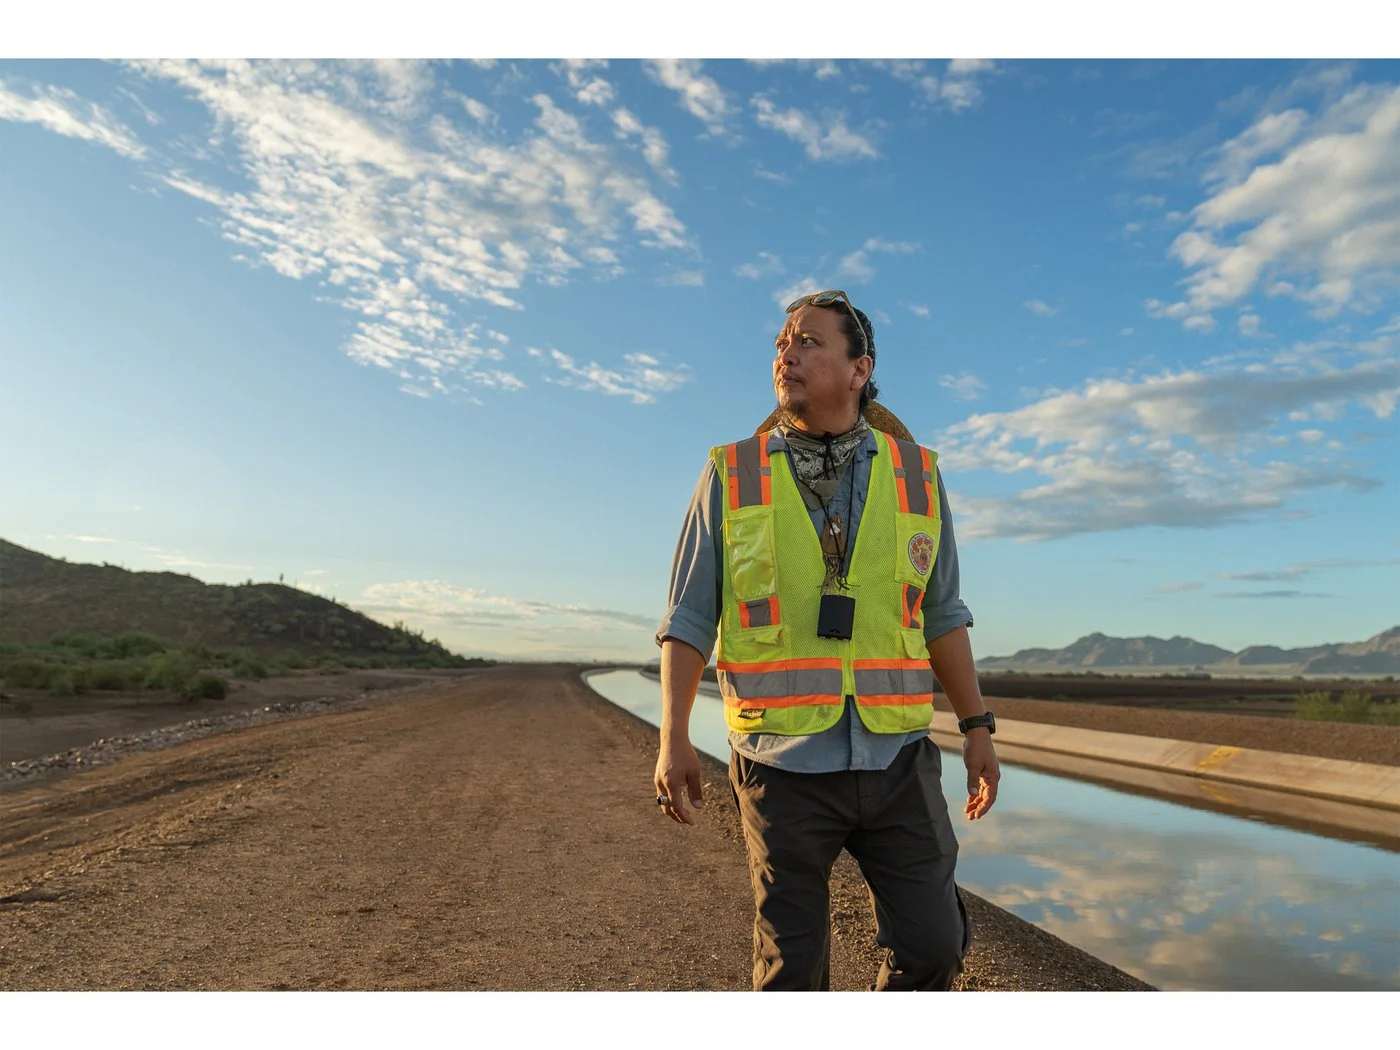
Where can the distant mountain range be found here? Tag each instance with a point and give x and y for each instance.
(1378, 655)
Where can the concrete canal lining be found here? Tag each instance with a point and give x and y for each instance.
(1350, 799)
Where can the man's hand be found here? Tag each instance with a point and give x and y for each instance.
(983, 772)
(678, 775)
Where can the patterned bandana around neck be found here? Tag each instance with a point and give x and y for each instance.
(820, 462)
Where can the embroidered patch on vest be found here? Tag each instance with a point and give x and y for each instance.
(921, 553)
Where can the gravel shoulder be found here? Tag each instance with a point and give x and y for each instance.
(493, 832)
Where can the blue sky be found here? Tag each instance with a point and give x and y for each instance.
(449, 341)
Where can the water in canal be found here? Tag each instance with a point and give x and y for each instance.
(1182, 898)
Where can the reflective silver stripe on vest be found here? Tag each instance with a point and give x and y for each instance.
(912, 456)
(746, 455)
(893, 681)
(760, 612)
(770, 685)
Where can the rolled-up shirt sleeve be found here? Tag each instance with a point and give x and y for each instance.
(692, 615)
(943, 607)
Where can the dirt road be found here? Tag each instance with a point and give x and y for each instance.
(489, 833)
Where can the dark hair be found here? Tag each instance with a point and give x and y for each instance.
(870, 391)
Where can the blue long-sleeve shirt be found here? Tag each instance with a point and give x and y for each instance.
(697, 584)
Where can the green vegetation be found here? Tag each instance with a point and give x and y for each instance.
(1351, 706)
(74, 663)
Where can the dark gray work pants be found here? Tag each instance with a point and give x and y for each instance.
(895, 823)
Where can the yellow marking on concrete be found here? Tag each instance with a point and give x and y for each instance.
(1217, 792)
(1218, 757)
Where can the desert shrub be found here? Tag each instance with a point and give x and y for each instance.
(206, 687)
(1354, 706)
(1386, 713)
(22, 707)
(171, 669)
(117, 674)
(31, 674)
(1314, 707)
(250, 669)
(85, 644)
(290, 658)
(61, 684)
(333, 668)
(134, 644)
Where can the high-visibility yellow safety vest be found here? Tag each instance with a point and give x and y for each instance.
(776, 675)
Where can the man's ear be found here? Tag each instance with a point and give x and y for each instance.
(864, 366)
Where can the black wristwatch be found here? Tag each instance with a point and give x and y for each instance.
(976, 721)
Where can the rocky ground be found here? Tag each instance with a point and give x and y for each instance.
(488, 830)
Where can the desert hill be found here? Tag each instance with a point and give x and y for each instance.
(43, 597)
(1378, 655)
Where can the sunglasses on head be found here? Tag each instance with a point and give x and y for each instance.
(826, 299)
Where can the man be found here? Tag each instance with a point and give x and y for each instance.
(821, 554)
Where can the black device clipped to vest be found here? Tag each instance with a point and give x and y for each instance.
(836, 618)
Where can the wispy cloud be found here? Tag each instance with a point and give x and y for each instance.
(1189, 449)
(917, 309)
(701, 96)
(767, 265)
(966, 386)
(644, 377)
(399, 198)
(63, 112)
(957, 89)
(447, 603)
(826, 139)
(1177, 588)
(654, 146)
(683, 279)
(1305, 569)
(588, 88)
(856, 265)
(1040, 308)
(1272, 595)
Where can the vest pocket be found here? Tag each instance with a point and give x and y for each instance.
(753, 568)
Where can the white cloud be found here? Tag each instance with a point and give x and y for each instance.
(957, 89)
(683, 278)
(1319, 222)
(1189, 449)
(1125, 331)
(587, 88)
(772, 176)
(966, 386)
(1248, 324)
(1040, 308)
(479, 111)
(825, 139)
(644, 377)
(655, 148)
(970, 66)
(918, 310)
(856, 265)
(399, 198)
(767, 265)
(449, 604)
(700, 95)
(63, 112)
